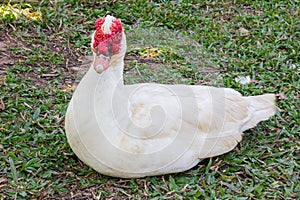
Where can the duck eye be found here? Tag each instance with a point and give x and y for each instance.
(110, 50)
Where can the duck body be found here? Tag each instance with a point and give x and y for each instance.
(151, 129)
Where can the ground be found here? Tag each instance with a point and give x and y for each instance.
(44, 51)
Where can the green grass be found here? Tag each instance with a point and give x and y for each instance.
(35, 74)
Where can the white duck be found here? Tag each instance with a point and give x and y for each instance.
(151, 129)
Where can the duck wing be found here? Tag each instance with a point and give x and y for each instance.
(214, 118)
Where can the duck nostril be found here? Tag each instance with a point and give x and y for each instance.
(99, 68)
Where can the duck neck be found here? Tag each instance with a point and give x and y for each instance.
(114, 73)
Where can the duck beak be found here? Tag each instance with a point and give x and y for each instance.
(101, 62)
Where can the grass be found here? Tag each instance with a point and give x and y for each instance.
(255, 38)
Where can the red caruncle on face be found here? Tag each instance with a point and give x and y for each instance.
(107, 43)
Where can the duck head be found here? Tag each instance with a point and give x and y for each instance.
(108, 41)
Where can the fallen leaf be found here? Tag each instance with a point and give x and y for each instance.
(258, 44)
(231, 187)
(256, 82)
(2, 106)
(296, 96)
(69, 88)
(275, 183)
(3, 180)
(50, 75)
(281, 96)
(243, 31)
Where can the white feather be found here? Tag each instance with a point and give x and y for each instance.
(107, 24)
(244, 80)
